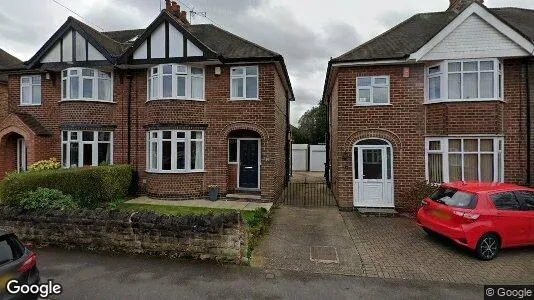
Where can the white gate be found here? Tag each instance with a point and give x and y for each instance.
(317, 158)
(299, 157)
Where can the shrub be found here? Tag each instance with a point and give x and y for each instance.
(47, 199)
(418, 192)
(89, 187)
(43, 165)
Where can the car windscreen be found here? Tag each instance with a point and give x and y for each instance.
(454, 198)
(10, 249)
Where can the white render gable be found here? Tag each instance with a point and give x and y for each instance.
(64, 50)
(475, 33)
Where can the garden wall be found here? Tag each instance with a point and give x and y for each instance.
(220, 238)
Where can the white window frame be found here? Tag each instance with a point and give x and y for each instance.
(151, 76)
(155, 137)
(244, 76)
(95, 78)
(498, 148)
(79, 140)
(31, 84)
(498, 79)
(371, 90)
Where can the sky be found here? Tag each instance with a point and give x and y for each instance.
(306, 32)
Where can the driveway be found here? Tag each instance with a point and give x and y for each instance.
(379, 247)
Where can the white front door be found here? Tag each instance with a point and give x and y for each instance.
(21, 155)
(373, 180)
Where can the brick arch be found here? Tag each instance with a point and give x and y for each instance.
(13, 124)
(225, 132)
(387, 135)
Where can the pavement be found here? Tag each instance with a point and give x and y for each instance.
(221, 204)
(94, 276)
(325, 241)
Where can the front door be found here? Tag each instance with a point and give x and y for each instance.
(249, 168)
(21, 155)
(373, 183)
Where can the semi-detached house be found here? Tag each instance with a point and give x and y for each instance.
(189, 106)
(443, 96)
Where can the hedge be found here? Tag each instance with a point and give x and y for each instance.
(89, 187)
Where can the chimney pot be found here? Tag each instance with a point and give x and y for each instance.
(458, 5)
(168, 4)
(183, 16)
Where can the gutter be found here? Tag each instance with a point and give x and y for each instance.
(129, 118)
(529, 123)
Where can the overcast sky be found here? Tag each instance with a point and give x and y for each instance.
(306, 32)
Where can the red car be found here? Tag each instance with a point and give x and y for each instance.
(483, 217)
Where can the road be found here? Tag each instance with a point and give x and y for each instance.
(96, 276)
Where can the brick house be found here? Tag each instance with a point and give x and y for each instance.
(441, 97)
(188, 106)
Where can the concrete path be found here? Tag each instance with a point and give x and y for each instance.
(308, 239)
(222, 204)
(93, 276)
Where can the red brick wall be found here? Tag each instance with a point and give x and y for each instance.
(407, 121)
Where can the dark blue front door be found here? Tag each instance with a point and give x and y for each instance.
(248, 164)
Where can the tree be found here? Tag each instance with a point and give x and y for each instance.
(312, 127)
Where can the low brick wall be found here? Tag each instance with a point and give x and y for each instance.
(220, 238)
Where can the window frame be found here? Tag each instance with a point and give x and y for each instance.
(31, 85)
(498, 153)
(371, 90)
(158, 141)
(244, 76)
(175, 74)
(66, 89)
(79, 140)
(498, 80)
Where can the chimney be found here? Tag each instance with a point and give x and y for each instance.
(459, 5)
(174, 9)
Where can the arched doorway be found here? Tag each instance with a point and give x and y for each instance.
(373, 173)
(244, 153)
(15, 153)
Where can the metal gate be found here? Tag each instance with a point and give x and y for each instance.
(308, 194)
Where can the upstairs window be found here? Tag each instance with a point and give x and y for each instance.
(372, 90)
(244, 83)
(467, 80)
(86, 84)
(30, 90)
(172, 81)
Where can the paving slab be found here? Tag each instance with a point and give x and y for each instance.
(221, 204)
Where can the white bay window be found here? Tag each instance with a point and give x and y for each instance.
(172, 81)
(86, 148)
(464, 80)
(451, 159)
(175, 151)
(86, 84)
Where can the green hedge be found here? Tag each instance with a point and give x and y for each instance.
(89, 187)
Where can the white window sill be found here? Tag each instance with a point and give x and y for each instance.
(23, 105)
(176, 99)
(87, 100)
(373, 104)
(244, 99)
(461, 100)
(174, 172)
(233, 163)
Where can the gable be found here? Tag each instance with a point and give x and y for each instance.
(167, 41)
(475, 38)
(72, 46)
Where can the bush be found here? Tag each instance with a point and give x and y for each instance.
(89, 187)
(43, 165)
(47, 199)
(418, 192)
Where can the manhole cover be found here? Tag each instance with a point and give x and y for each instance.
(327, 255)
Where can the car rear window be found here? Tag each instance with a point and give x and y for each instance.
(454, 198)
(10, 249)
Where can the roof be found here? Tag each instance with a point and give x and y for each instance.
(6, 61)
(409, 36)
(33, 124)
(477, 187)
(124, 36)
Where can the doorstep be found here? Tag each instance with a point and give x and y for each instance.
(379, 212)
(221, 204)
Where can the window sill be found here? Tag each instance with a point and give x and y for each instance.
(87, 100)
(462, 100)
(233, 163)
(29, 105)
(174, 172)
(243, 99)
(371, 105)
(176, 99)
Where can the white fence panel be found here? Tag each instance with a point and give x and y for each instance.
(299, 157)
(317, 158)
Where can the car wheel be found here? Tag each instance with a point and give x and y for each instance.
(488, 246)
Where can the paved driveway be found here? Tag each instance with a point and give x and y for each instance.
(380, 247)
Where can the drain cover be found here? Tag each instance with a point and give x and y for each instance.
(327, 255)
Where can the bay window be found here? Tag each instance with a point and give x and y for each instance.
(464, 80)
(86, 84)
(86, 148)
(244, 83)
(175, 151)
(372, 90)
(172, 81)
(464, 159)
(30, 90)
